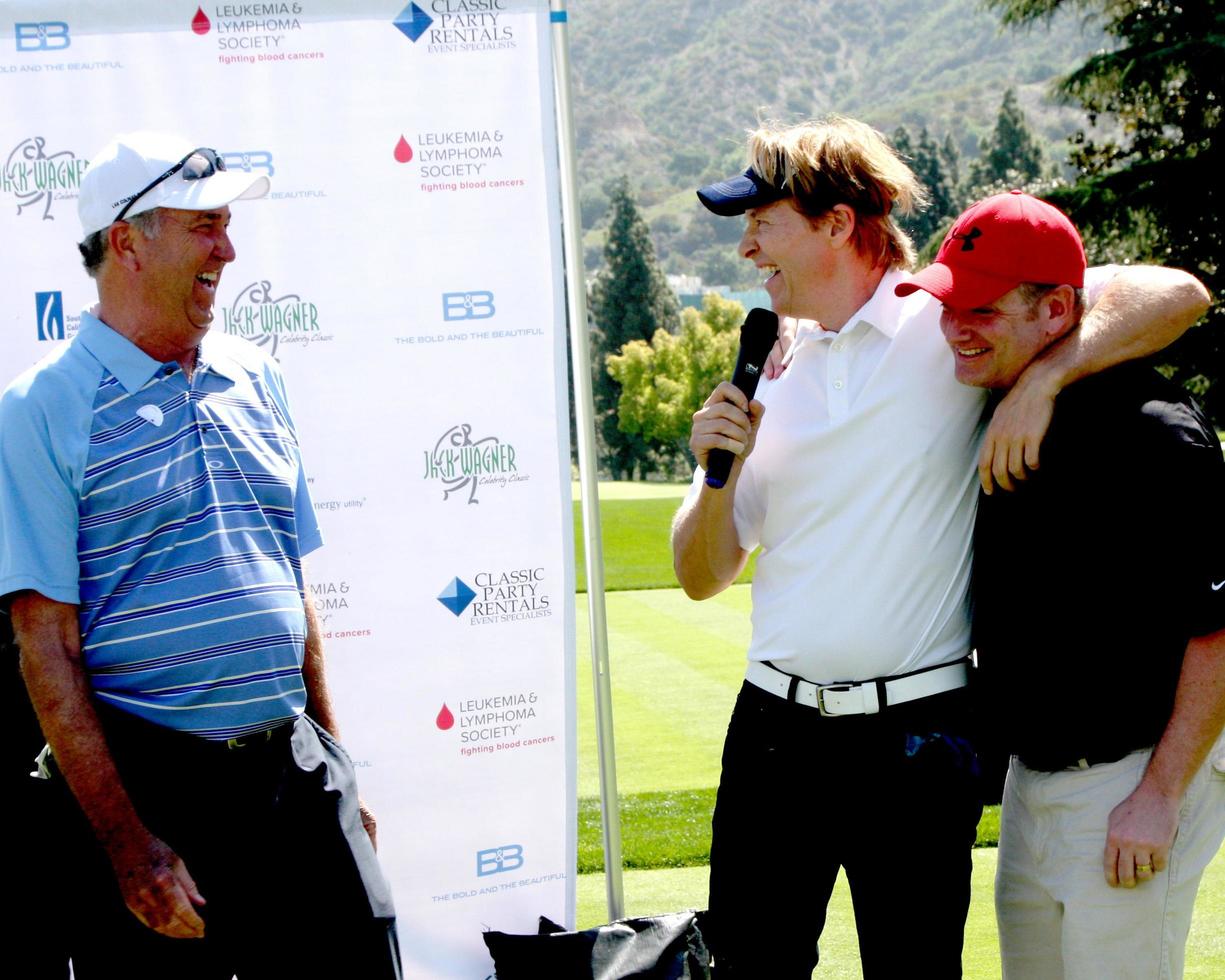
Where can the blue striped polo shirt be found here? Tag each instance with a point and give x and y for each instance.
(174, 514)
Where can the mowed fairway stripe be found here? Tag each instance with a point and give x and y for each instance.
(676, 667)
(709, 636)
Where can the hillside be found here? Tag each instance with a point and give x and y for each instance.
(664, 90)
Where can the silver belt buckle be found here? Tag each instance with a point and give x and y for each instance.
(838, 688)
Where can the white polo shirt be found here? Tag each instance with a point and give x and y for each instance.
(861, 491)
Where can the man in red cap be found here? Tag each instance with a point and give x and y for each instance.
(1099, 620)
(849, 744)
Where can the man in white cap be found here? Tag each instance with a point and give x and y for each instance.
(1099, 620)
(154, 514)
(849, 746)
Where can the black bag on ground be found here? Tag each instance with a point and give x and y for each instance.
(657, 947)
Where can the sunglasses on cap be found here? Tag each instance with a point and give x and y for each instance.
(198, 164)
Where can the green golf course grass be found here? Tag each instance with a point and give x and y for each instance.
(675, 668)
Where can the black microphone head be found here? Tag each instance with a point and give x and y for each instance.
(758, 334)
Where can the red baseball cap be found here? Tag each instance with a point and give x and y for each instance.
(996, 245)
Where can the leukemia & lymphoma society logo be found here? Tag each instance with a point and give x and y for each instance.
(37, 179)
(456, 26)
(459, 159)
(460, 462)
(504, 596)
(263, 319)
(497, 722)
(247, 33)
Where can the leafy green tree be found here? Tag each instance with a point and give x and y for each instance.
(1011, 153)
(1150, 180)
(630, 300)
(665, 381)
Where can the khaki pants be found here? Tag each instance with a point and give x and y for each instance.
(1057, 916)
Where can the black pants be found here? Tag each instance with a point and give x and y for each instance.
(892, 798)
(272, 837)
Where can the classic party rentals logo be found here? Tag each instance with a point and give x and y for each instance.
(35, 177)
(499, 596)
(49, 309)
(457, 26)
(458, 461)
(457, 596)
(46, 35)
(412, 22)
(263, 319)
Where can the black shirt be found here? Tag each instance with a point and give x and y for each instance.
(1091, 577)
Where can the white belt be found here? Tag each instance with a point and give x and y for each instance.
(864, 698)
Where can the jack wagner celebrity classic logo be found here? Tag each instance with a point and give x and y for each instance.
(504, 596)
(37, 179)
(456, 26)
(460, 463)
(256, 315)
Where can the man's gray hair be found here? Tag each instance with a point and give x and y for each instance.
(93, 249)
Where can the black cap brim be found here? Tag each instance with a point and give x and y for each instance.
(738, 194)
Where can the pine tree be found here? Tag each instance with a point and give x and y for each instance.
(630, 300)
(924, 160)
(950, 159)
(1011, 154)
(1150, 185)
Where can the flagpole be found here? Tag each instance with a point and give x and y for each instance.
(584, 416)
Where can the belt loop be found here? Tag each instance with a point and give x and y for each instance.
(792, 688)
(882, 696)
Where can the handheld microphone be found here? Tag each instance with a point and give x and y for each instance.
(757, 336)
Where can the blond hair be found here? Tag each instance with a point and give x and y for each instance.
(837, 160)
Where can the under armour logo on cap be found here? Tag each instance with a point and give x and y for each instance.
(967, 240)
(1005, 240)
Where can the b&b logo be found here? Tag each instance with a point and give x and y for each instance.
(476, 304)
(47, 35)
(495, 860)
(250, 161)
(49, 308)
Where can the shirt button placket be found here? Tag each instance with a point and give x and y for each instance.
(837, 386)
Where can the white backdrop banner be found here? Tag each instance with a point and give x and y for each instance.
(406, 273)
